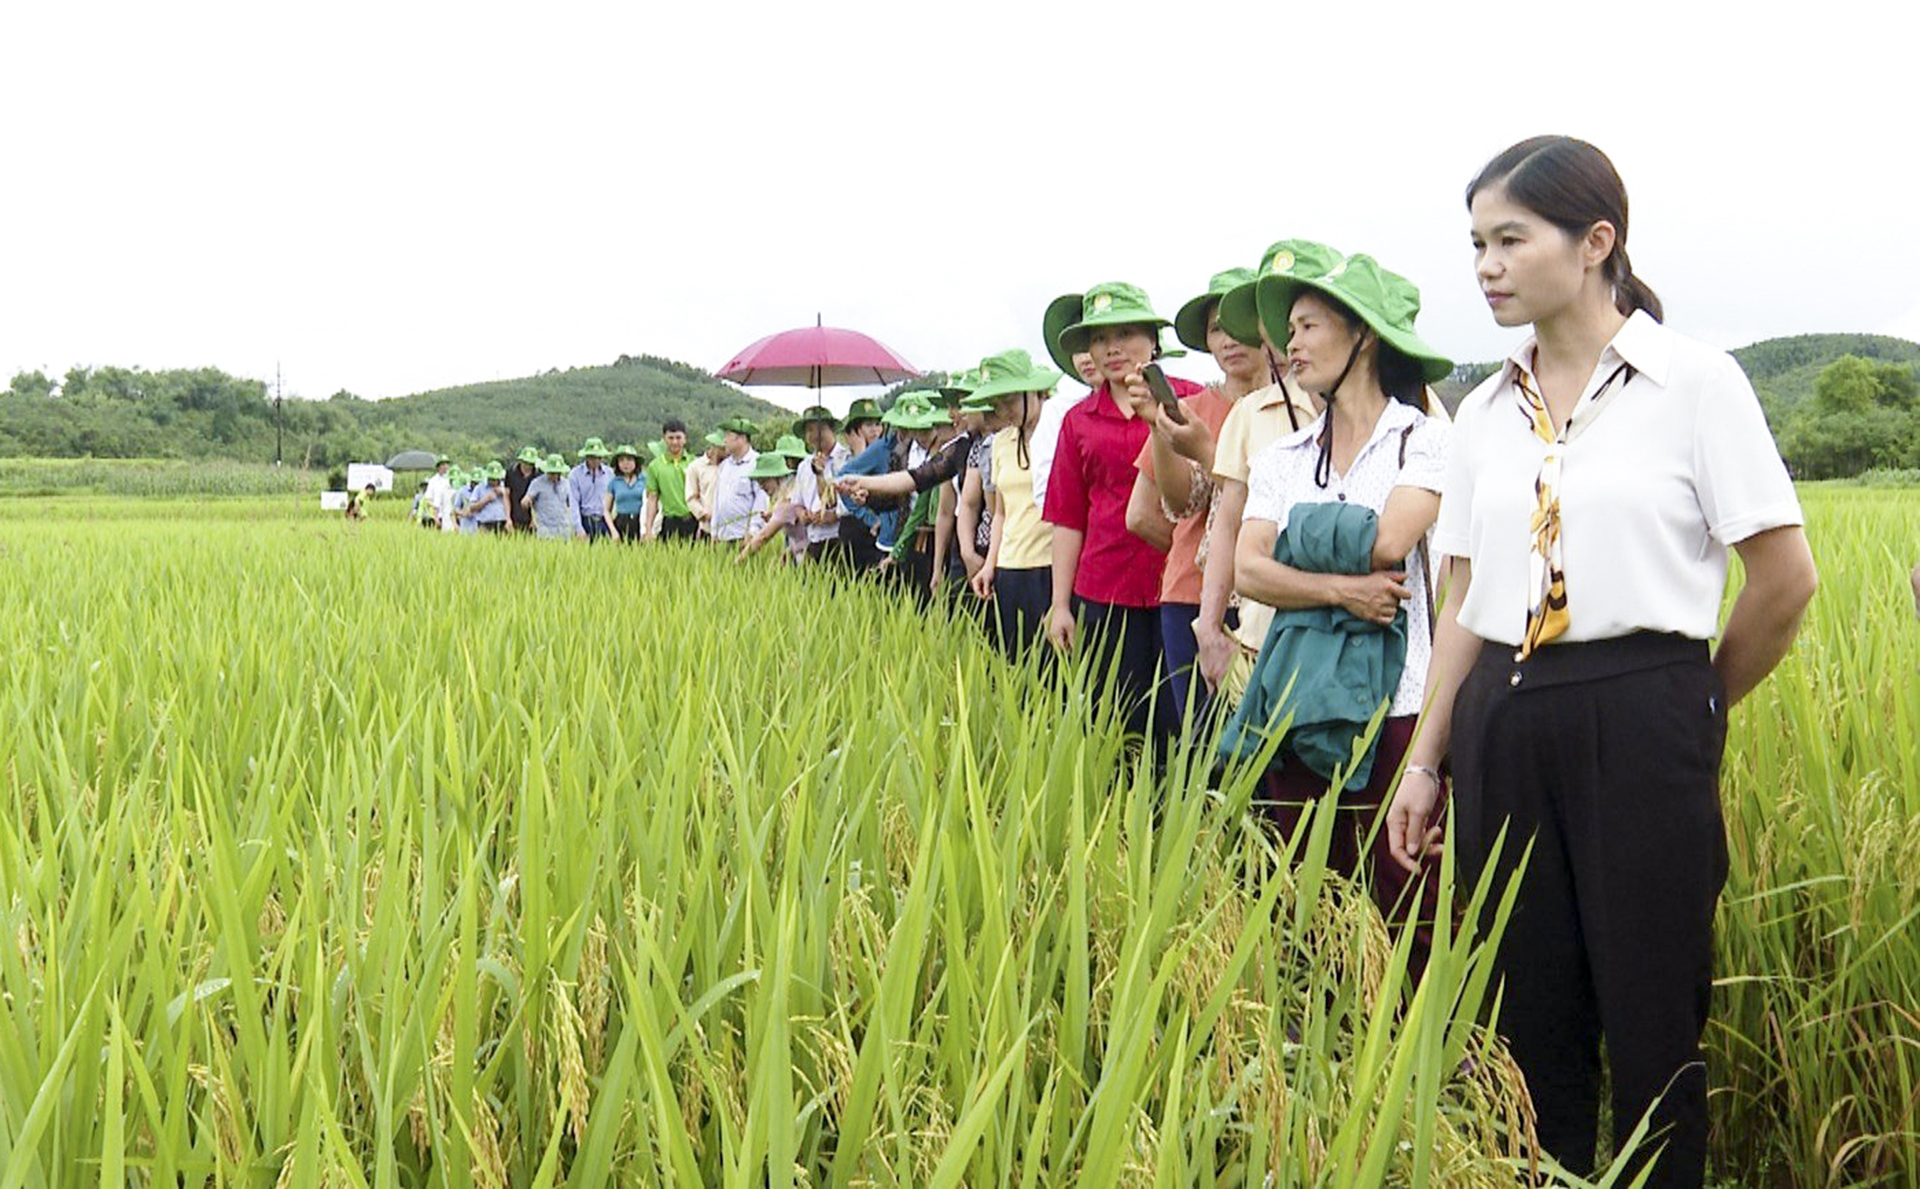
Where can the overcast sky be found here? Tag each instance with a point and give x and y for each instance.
(387, 197)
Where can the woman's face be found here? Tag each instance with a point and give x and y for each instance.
(1319, 345)
(627, 467)
(1117, 350)
(1237, 360)
(1528, 269)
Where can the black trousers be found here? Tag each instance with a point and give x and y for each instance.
(1606, 756)
(861, 548)
(679, 528)
(1021, 600)
(627, 524)
(1127, 638)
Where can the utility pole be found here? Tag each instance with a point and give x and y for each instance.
(276, 412)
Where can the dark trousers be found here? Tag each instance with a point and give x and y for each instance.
(627, 524)
(832, 551)
(1359, 841)
(1180, 651)
(595, 527)
(1606, 756)
(679, 528)
(1127, 638)
(1021, 600)
(862, 550)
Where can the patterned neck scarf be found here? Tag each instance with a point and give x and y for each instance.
(1547, 617)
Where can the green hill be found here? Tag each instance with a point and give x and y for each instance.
(1783, 370)
(624, 401)
(204, 413)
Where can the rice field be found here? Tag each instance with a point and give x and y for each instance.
(351, 855)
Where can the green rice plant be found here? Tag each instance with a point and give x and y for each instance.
(349, 854)
(1815, 1043)
(152, 478)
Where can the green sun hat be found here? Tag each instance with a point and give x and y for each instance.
(1190, 324)
(627, 450)
(1386, 301)
(771, 465)
(1005, 374)
(528, 455)
(959, 385)
(1110, 303)
(914, 410)
(1239, 312)
(595, 448)
(457, 477)
(861, 410)
(656, 449)
(739, 425)
(555, 465)
(716, 438)
(496, 470)
(790, 446)
(811, 414)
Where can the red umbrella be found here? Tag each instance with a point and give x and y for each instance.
(818, 357)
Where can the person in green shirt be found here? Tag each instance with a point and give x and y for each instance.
(668, 516)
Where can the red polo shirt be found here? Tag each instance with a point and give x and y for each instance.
(1092, 478)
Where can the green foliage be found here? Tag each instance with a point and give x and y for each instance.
(203, 413)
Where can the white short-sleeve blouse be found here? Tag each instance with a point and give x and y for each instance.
(1281, 475)
(1678, 466)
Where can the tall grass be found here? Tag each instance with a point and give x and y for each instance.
(151, 478)
(1816, 1037)
(344, 854)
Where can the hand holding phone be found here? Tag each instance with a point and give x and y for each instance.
(1163, 392)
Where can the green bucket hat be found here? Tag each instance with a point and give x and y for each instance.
(656, 449)
(915, 410)
(716, 438)
(457, 477)
(1190, 324)
(1111, 303)
(595, 448)
(811, 414)
(739, 425)
(528, 455)
(496, 471)
(627, 451)
(771, 465)
(1004, 374)
(959, 386)
(1386, 301)
(861, 410)
(790, 446)
(1239, 315)
(554, 465)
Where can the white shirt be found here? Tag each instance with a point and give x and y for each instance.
(1043, 440)
(1676, 465)
(440, 498)
(810, 497)
(733, 497)
(1282, 475)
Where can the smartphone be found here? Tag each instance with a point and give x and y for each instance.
(1163, 392)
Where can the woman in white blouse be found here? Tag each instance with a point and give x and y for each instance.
(1350, 342)
(1596, 483)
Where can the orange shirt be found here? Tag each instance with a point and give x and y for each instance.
(1180, 581)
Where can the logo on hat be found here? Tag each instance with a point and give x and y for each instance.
(1282, 262)
(1338, 270)
(1102, 302)
(986, 373)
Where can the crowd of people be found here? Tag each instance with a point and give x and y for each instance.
(1529, 588)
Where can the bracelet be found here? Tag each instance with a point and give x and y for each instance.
(1430, 773)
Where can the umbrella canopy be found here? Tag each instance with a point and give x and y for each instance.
(411, 460)
(818, 357)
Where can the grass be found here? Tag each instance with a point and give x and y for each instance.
(151, 478)
(347, 854)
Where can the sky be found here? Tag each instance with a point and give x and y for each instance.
(390, 197)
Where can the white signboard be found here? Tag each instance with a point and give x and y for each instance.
(359, 474)
(333, 501)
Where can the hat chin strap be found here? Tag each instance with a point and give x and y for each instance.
(1323, 468)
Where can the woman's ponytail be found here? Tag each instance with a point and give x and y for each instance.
(1630, 293)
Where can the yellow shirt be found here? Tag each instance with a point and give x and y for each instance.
(1026, 541)
(1255, 421)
